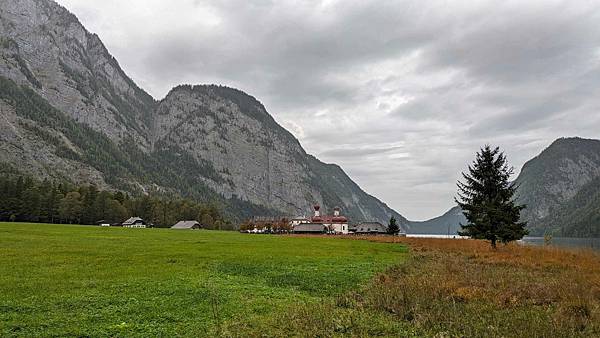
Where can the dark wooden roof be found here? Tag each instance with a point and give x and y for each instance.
(371, 227)
(186, 225)
(310, 227)
(134, 220)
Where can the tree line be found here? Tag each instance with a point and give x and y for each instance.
(25, 199)
(168, 165)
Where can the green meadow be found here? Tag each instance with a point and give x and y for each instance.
(68, 280)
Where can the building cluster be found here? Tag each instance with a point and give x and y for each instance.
(317, 224)
(138, 222)
(132, 222)
(336, 224)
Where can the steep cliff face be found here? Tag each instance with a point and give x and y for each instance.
(556, 174)
(68, 111)
(253, 157)
(33, 148)
(45, 47)
(578, 217)
(550, 182)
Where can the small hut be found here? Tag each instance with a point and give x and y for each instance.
(187, 225)
(371, 228)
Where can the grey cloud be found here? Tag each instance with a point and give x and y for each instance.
(349, 152)
(522, 43)
(411, 88)
(518, 119)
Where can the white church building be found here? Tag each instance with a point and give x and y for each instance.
(336, 223)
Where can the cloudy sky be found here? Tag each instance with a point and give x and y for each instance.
(399, 93)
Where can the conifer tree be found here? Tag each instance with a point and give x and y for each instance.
(393, 227)
(71, 207)
(487, 199)
(24, 199)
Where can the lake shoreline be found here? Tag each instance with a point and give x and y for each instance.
(570, 243)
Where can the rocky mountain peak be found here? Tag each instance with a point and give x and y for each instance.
(45, 47)
(204, 141)
(556, 174)
(555, 177)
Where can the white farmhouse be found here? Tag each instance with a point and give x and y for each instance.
(134, 222)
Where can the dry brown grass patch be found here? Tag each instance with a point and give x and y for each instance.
(460, 288)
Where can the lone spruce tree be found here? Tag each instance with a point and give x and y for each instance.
(393, 227)
(486, 198)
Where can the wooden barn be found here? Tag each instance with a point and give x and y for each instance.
(187, 225)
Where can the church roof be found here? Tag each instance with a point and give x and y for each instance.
(329, 219)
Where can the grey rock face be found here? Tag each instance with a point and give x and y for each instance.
(253, 157)
(252, 161)
(46, 47)
(556, 175)
(202, 136)
(22, 145)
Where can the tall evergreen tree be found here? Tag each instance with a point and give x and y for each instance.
(27, 200)
(71, 207)
(487, 199)
(393, 227)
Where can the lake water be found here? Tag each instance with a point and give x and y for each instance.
(434, 236)
(572, 243)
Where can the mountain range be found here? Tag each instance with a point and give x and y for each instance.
(68, 111)
(560, 189)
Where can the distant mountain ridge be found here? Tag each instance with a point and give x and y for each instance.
(446, 224)
(560, 187)
(68, 111)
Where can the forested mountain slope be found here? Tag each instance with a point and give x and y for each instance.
(560, 187)
(68, 111)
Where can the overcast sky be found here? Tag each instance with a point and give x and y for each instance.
(401, 94)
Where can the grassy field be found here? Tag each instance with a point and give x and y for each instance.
(88, 281)
(60, 280)
(462, 288)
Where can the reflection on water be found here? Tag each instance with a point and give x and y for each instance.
(583, 243)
